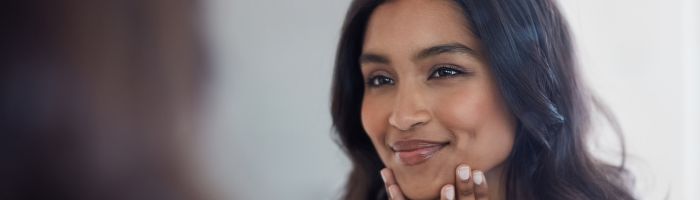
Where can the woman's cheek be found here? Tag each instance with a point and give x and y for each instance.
(481, 127)
(374, 121)
(459, 112)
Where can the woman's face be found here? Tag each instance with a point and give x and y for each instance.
(430, 101)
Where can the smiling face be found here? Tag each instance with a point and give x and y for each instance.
(430, 101)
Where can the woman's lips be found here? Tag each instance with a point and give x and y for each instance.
(413, 152)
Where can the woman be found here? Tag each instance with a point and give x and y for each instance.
(471, 99)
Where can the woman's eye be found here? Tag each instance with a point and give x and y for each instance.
(379, 80)
(444, 72)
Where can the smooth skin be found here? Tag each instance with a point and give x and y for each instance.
(426, 79)
(464, 187)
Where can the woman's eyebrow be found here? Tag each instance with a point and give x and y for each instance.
(425, 53)
(373, 58)
(444, 48)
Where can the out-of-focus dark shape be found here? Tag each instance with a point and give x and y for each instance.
(97, 98)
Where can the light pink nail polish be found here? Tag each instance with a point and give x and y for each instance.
(381, 173)
(463, 173)
(478, 177)
(450, 192)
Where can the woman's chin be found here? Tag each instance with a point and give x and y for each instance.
(420, 192)
(423, 187)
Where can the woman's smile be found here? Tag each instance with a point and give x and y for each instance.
(428, 93)
(444, 87)
(414, 152)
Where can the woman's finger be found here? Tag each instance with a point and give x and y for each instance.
(395, 193)
(387, 177)
(447, 192)
(465, 186)
(392, 188)
(480, 187)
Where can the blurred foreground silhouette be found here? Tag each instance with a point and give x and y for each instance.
(98, 98)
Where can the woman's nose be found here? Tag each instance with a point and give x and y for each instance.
(409, 111)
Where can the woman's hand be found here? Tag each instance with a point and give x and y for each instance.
(468, 185)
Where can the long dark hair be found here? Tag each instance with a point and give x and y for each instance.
(531, 55)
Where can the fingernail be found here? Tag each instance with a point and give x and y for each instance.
(463, 172)
(381, 173)
(478, 177)
(450, 192)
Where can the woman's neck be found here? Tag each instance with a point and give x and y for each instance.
(496, 183)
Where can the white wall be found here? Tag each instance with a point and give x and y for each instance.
(640, 57)
(268, 134)
(267, 129)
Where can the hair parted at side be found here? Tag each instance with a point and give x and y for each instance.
(531, 55)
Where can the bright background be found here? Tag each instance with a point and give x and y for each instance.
(267, 129)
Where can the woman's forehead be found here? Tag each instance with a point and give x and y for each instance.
(403, 28)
